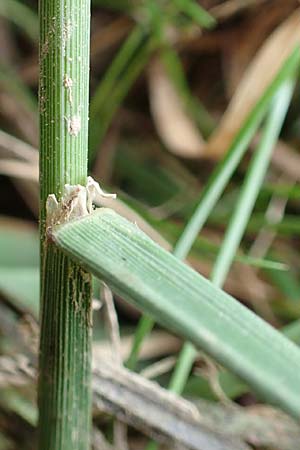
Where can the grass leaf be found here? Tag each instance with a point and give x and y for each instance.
(22, 16)
(117, 81)
(198, 14)
(180, 299)
(220, 177)
(254, 179)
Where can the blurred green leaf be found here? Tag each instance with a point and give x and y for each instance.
(19, 245)
(21, 286)
(121, 74)
(22, 16)
(198, 14)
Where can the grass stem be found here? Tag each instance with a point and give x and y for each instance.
(65, 347)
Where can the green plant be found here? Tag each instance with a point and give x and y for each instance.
(216, 185)
(22, 16)
(145, 38)
(241, 215)
(152, 279)
(158, 91)
(65, 347)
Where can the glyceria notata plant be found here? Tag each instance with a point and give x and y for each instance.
(114, 250)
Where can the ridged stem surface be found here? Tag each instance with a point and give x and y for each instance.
(65, 346)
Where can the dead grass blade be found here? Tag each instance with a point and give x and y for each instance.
(159, 413)
(19, 169)
(257, 78)
(175, 128)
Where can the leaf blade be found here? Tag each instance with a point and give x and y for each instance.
(152, 279)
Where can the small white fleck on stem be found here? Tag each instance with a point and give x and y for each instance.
(74, 125)
(68, 83)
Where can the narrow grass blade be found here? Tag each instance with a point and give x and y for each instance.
(198, 14)
(13, 84)
(266, 264)
(180, 299)
(241, 215)
(21, 286)
(22, 16)
(144, 328)
(226, 167)
(252, 184)
(175, 70)
(287, 283)
(116, 83)
(19, 245)
(108, 110)
(224, 171)
(124, 55)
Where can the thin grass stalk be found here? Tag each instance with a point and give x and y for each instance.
(216, 186)
(121, 74)
(240, 217)
(198, 14)
(173, 64)
(253, 181)
(238, 223)
(64, 396)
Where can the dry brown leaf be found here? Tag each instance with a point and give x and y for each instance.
(240, 50)
(287, 160)
(231, 7)
(158, 344)
(10, 146)
(23, 120)
(257, 78)
(19, 169)
(175, 128)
